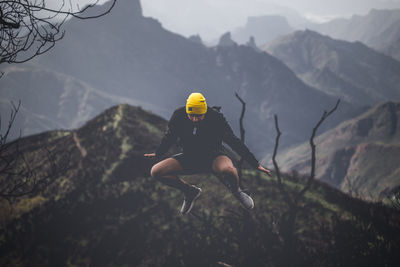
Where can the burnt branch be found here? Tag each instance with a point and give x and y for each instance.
(20, 175)
(242, 135)
(288, 219)
(311, 178)
(242, 131)
(288, 199)
(81, 13)
(29, 28)
(3, 137)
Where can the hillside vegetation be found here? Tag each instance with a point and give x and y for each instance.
(103, 209)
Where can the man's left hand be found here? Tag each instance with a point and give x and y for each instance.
(263, 169)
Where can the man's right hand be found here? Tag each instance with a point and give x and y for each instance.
(263, 169)
(151, 155)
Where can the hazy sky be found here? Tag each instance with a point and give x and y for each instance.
(211, 18)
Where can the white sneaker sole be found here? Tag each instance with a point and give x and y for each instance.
(191, 205)
(250, 207)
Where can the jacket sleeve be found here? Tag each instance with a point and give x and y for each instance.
(236, 144)
(170, 136)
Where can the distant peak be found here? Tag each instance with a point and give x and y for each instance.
(252, 43)
(310, 32)
(196, 39)
(226, 40)
(128, 8)
(307, 33)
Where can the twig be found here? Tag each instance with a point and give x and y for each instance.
(242, 131)
(242, 136)
(287, 197)
(30, 28)
(313, 149)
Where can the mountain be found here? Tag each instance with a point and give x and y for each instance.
(126, 55)
(52, 100)
(226, 40)
(379, 29)
(263, 29)
(115, 139)
(388, 42)
(359, 156)
(351, 71)
(100, 208)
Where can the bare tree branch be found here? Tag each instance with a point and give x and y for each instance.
(242, 134)
(13, 114)
(29, 28)
(242, 131)
(288, 219)
(286, 195)
(17, 177)
(313, 150)
(311, 178)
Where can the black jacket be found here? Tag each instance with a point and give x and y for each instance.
(205, 138)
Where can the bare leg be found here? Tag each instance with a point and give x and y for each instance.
(225, 171)
(228, 175)
(166, 172)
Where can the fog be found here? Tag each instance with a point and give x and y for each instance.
(211, 18)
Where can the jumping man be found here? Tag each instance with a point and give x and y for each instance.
(200, 131)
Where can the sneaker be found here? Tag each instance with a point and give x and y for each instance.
(244, 199)
(189, 200)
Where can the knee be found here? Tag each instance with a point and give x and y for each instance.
(227, 171)
(155, 172)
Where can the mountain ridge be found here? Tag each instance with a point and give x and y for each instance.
(351, 71)
(378, 29)
(359, 155)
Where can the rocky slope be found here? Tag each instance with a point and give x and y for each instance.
(388, 42)
(378, 29)
(351, 71)
(358, 156)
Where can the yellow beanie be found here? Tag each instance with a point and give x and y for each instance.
(196, 104)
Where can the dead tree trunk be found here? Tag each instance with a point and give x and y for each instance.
(288, 219)
(242, 136)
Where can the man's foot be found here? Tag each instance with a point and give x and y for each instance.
(190, 198)
(244, 199)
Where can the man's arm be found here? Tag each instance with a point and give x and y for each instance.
(170, 136)
(236, 144)
(239, 147)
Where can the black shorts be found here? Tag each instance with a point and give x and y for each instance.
(197, 164)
